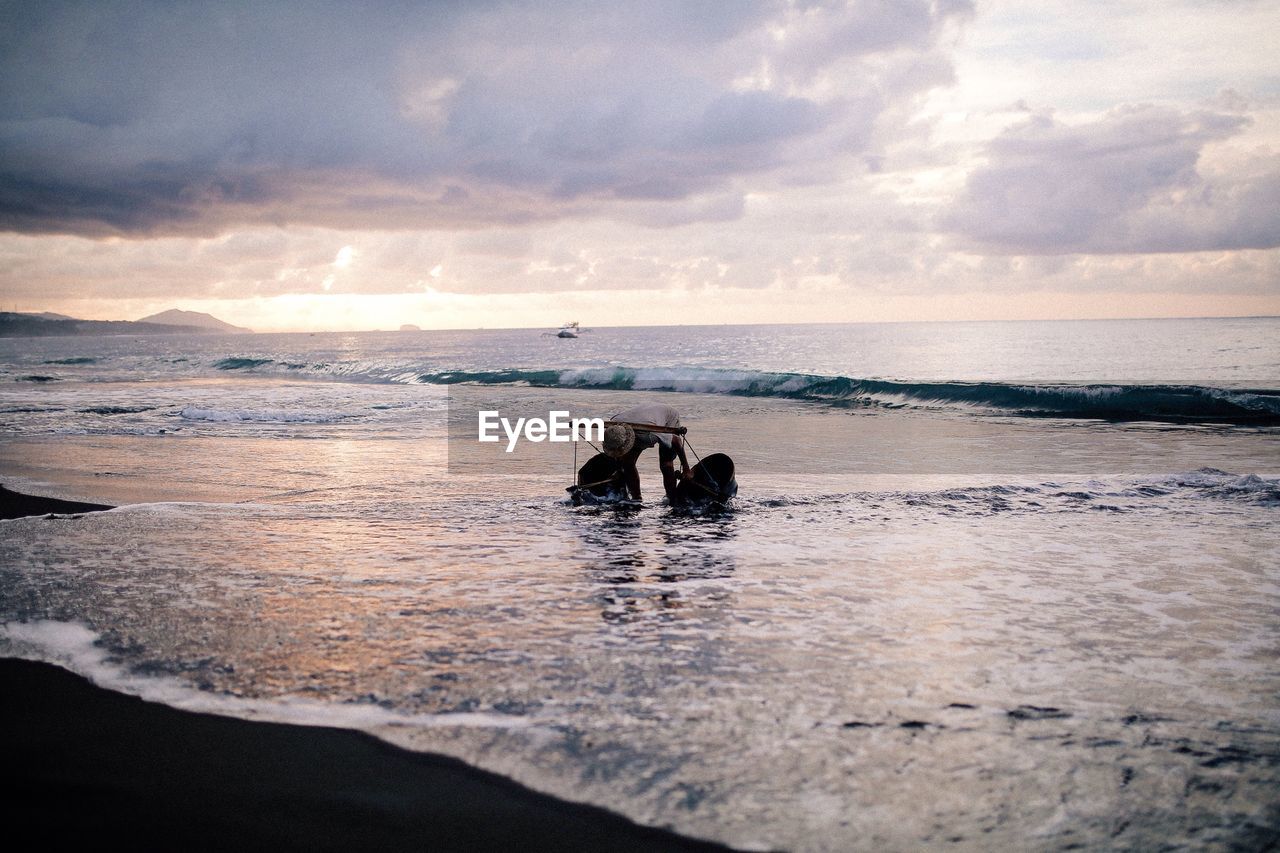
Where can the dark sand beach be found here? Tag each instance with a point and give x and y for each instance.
(16, 505)
(85, 766)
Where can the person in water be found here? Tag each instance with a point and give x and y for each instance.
(626, 443)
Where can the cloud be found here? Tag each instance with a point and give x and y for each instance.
(815, 35)
(758, 156)
(144, 118)
(1128, 182)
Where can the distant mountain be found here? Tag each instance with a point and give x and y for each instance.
(174, 317)
(13, 325)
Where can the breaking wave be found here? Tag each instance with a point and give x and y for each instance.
(1168, 403)
(116, 410)
(1120, 402)
(242, 363)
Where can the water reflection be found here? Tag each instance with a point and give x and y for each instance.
(624, 546)
(649, 574)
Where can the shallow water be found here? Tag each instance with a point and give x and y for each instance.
(917, 627)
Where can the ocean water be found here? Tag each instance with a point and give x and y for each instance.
(985, 585)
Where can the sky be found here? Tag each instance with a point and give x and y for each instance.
(360, 165)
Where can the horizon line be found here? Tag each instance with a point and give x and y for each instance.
(694, 325)
(804, 323)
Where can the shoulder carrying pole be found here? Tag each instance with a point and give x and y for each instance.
(648, 427)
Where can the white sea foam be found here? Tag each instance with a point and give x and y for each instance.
(68, 644)
(1215, 483)
(74, 646)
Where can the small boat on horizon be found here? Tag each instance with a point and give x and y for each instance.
(569, 330)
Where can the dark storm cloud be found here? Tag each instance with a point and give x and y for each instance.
(142, 118)
(1126, 183)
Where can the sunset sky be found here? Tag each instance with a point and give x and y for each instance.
(310, 165)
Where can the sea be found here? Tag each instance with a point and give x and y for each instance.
(1006, 585)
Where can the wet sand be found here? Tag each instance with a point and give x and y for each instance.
(84, 765)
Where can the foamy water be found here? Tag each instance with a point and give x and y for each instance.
(926, 625)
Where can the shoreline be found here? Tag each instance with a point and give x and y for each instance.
(86, 764)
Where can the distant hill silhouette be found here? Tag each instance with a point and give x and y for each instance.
(14, 325)
(175, 317)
